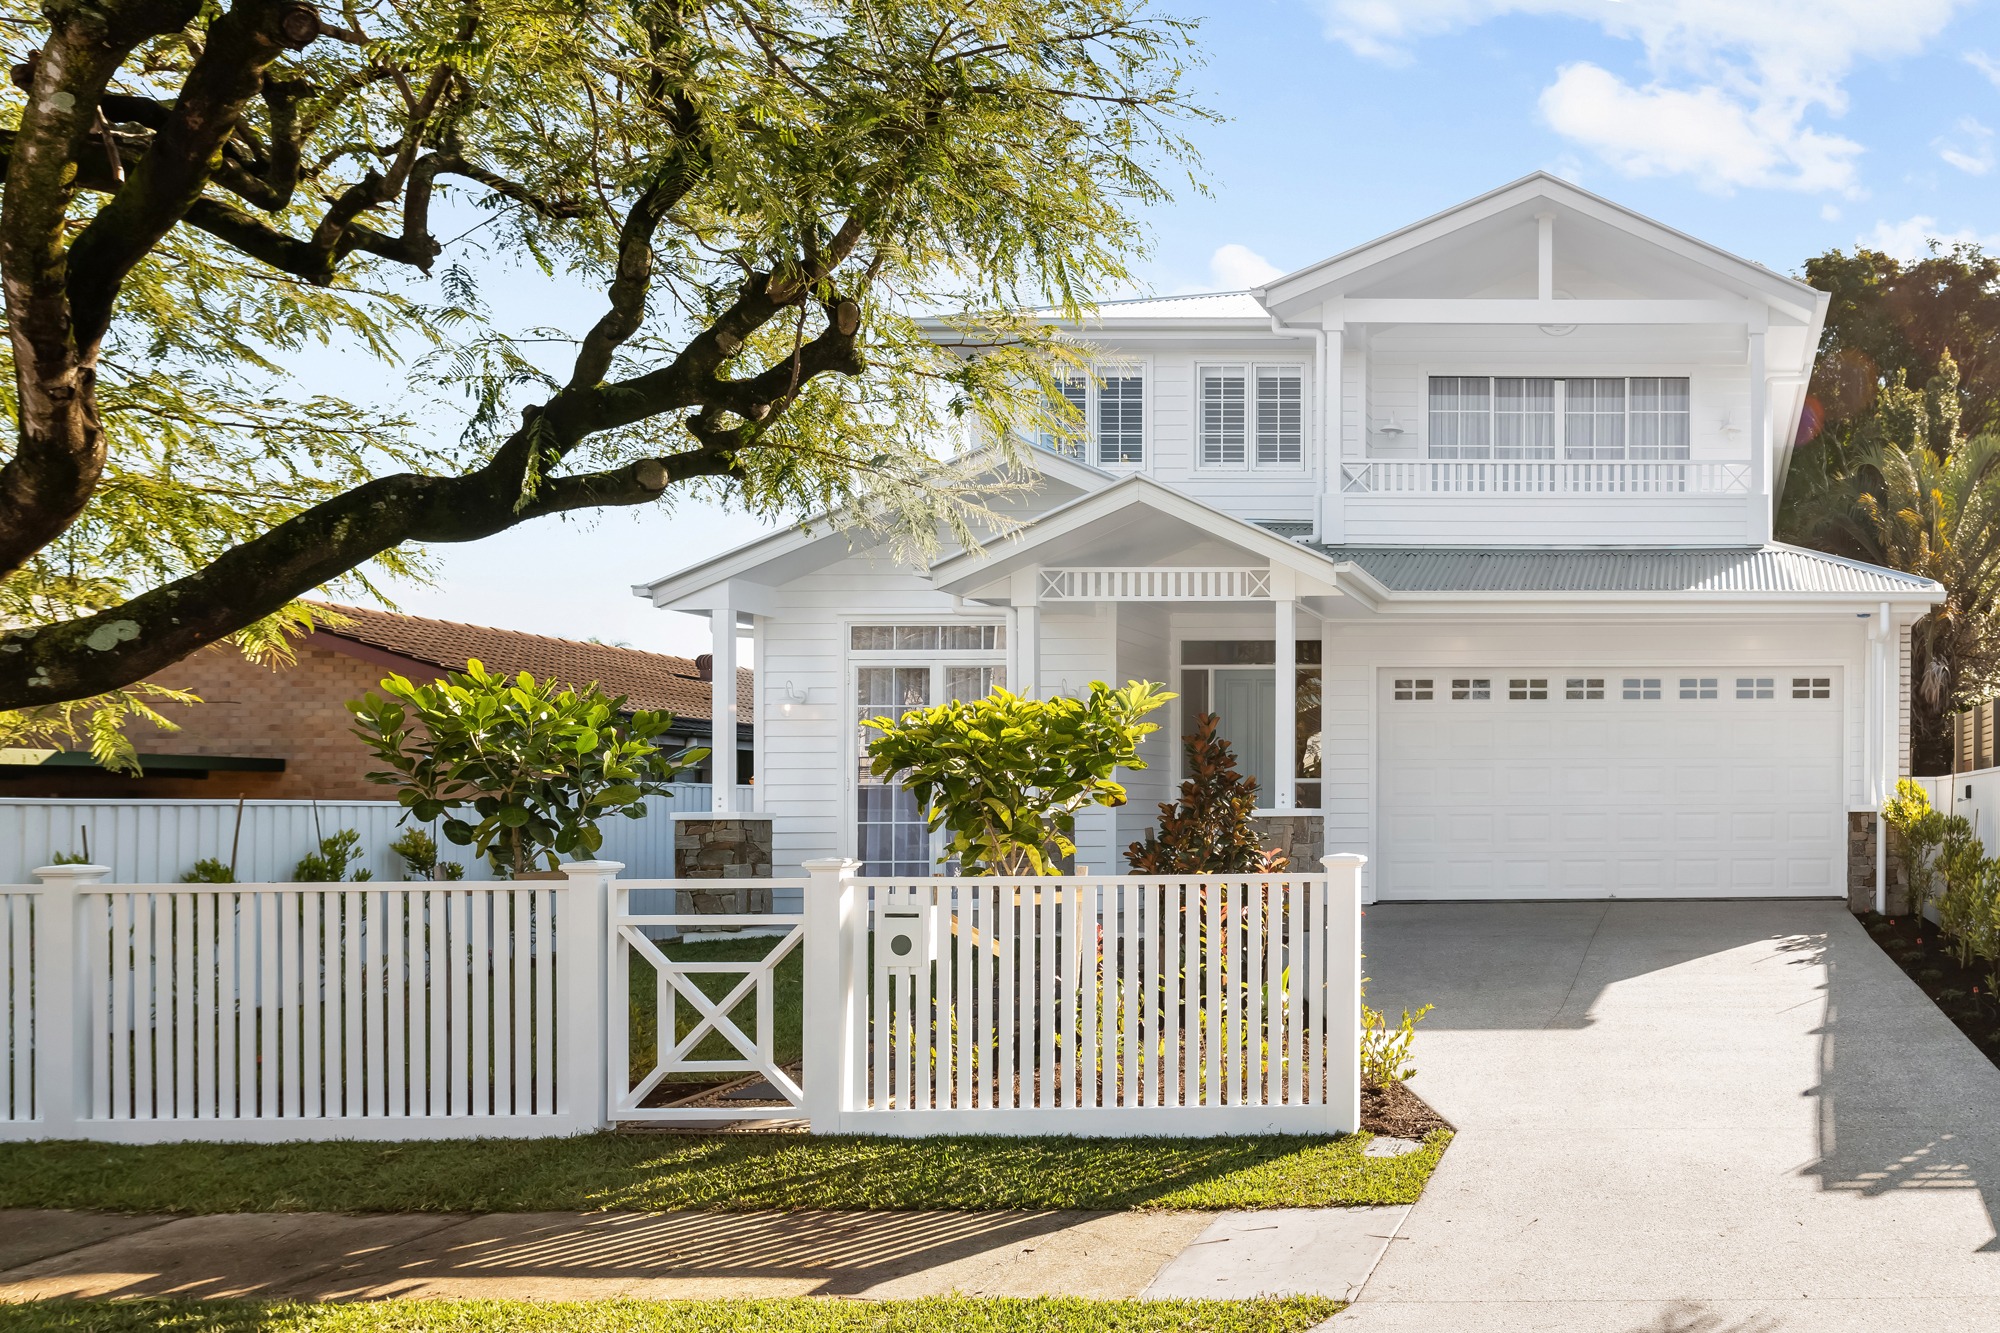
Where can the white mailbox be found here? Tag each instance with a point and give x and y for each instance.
(903, 934)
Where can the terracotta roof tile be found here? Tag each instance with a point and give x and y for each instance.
(647, 680)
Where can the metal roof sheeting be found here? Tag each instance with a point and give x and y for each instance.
(1773, 569)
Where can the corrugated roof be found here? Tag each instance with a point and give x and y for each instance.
(647, 680)
(1770, 569)
(1192, 305)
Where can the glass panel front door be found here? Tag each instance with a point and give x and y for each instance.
(1247, 703)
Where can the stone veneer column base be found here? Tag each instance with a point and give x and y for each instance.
(1300, 837)
(1861, 826)
(722, 847)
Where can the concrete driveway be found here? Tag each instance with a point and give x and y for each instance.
(1724, 1117)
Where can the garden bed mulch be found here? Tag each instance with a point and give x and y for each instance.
(1918, 947)
(1395, 1111)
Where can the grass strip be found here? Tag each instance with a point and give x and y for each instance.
(956, 1314)
(727, 1172)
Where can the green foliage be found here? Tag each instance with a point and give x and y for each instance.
(1385, 1053)
(1209, 830)
(418, 851)
(212, 870)
(536, 765)
(1005, 775)
(1947, 868)
(330, 864)
(761, 202)
(68, 859)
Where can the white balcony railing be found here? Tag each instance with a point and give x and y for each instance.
(1434, 476)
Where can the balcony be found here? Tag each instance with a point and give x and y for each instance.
(1541, 477)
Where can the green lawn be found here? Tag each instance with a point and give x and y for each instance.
(956, 1314)
(724, 1171)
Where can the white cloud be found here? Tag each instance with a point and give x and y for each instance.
(1972, 151)
(1829, 212)
(1733, 83)
(1986, 65)
(1238, 268)
(1910, 239)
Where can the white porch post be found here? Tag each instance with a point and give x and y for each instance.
(722, 709)
(1332, 504)
(1761, 488)
(1024, 668)
(1286, 713)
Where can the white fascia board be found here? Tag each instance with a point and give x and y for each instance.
(1450, 310)
(1155, 327)
(1612, 603)
(1306, 284)
(1078, 515)
(686, 589)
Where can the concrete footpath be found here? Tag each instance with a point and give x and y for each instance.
(592, 1256)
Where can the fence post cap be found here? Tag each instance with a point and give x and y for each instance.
(830, 865)
(71, 873)
(582, 869)
(1332, 859)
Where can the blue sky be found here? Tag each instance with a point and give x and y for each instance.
(1774, 128)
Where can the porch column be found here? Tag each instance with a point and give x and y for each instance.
(1761, 488)
(722, 709)
(1332, 504)
(1284, 752)
(1024, 654)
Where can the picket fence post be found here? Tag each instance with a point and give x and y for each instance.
(831, 913)
(62, 999)
(1343, 990)
(583, 939)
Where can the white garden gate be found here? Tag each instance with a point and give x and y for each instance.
(1071, 1005)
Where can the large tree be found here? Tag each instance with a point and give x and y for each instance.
(757, 196)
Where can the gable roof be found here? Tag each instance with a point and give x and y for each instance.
(1776, 568)
(1313, 281)
(647, 680)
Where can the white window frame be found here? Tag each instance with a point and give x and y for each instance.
(1498, 370)
(1252, 370)
(1084, 448)
(936, 660)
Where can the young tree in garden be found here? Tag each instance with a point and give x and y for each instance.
(1005, 775)
(760, 193)
(1210, 829)
(536, 766)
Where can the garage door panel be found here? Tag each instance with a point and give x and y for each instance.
(1665, 797)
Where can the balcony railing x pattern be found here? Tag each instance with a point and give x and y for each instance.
(1517, 477)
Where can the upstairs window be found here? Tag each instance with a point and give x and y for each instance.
(1111, 411)
(1461, 416)
(1645, 418)
(1281, 416)
(1251, 415)
(1223, 390)
(1121, 417)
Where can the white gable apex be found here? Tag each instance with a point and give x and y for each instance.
(1489, 248)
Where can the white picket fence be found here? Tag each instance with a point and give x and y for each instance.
(1077, 1005)
(1073, 1005)
(156, 842)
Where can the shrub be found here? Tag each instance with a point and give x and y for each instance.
(534, 765)
(1921, 831)
(1209, 830)
(209, 870)
(418, 851)
(1005, 775)
(330, 864)
(1385, 1054)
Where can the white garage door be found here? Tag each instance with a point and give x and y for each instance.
(1522, 785)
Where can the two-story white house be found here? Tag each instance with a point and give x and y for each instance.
(1466, 535)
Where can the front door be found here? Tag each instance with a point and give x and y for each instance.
(1246, 701)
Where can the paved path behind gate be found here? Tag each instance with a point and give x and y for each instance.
(1722, 1117)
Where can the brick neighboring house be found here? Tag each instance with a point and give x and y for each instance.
(287, 734)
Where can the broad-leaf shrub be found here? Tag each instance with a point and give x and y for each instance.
(519, 769)
(1005, 775)
(1209, 830)
(1947, 867)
